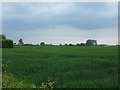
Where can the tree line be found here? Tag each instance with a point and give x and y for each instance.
(89, 42)
(8, 43)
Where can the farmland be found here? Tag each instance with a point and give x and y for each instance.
(72, 66)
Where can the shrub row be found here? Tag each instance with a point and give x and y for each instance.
(6, 43)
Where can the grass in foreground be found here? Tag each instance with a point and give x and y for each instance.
(73, 67)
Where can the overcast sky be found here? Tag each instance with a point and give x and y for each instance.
(61, 22)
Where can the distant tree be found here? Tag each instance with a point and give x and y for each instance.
(102, 45)
(60, 44)
(66, 44)
(28, 45)
(90, 42)
(5, 43)
(70, 44)
(42, 43)
(82, 44)
(77, 44)
(21, 42)
(2, 37)
(37, 44)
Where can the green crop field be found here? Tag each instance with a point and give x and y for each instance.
(72, 66)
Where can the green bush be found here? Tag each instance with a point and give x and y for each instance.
(42, 43)
(9, 81)
(49, 85)
(6, 43)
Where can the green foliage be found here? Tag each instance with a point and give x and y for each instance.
(74, 67)
(5, 67)
(66, 44)
(42, 43)
(21, 42)
(77, 44)
(70, 44)
(2, 37)
(7, 43)
(48, 85)
(90, 42)
(82, 44)
(9, 81)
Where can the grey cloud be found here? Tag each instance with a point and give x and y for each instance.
(27, 16)
(60, 22)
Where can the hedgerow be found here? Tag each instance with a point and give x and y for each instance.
(7, 43)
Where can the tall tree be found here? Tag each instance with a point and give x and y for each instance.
(42, 43)
(91, 42)
(21, 42)
(66, 44)
(2, 37)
